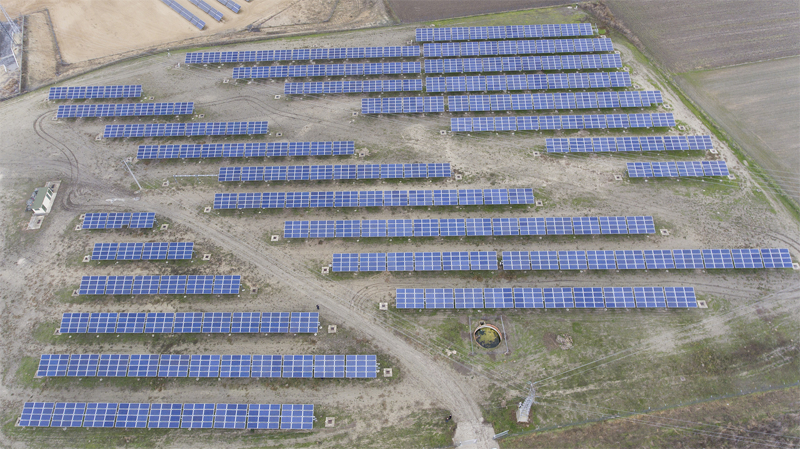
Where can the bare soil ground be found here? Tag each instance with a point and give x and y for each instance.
(40, 60)
(408, 11)
(39, 270)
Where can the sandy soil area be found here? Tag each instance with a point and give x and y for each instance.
(38, 268)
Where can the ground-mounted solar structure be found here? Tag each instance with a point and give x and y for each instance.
(334, 172)
(118, 220)
(193, 19)
(519, 47)
(186, 129)
(675, 169)
(307, 54)
(92, 92)
(124, 109)
(323, 70)
(623, 144)
(189, 322)
(154, 285)
(554, 122)
(143, 251)
(259, 149)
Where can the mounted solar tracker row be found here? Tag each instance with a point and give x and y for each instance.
(459, 227)
(503, 32)
(675, 169)
(116, 220)
(551, 81)
(226, 366)
(412, 51)
(76, 93)
(539, 298)
(564, 100)
(143, 251)
(607, 144)
(522, 47)
(331, 172)
(575, 80)
(167, 416)
(206, 8)
(261, 149)
(349, 87)
(399, 198)
(190, 322)
(233, 6)
(572, 260)
(123, 109)
(194, 20)
(401, 105)
(552, 122)
(152, 285)
(186, 129)
(320, 70)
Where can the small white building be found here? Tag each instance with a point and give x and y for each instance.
(43, 201)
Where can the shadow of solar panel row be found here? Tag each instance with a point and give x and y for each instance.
(160, 285)
(206, 8)
(193, 19)
(197, 366)
(189, 322)
(661, 259)
(167, 416)
(123, 109)
(186, 129)
(673, 169)
(118, 220)
(373, 198)
(546, 298)
(461, 227)
(312, 70)
(331, 172)
(306, 54)
(349, 87)
(143, 251)
(611, 144)
(75, 93)
(259, 149)
(233, 6)
(503, 32)
(539, 81)
(552, 122)
(526, 47)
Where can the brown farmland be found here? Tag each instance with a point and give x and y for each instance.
(421, 10)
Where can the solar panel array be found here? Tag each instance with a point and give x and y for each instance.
(552, 122)
(123, 109)
(373, 198)
(549, 298)
(313, 70)
(675, 169)
(348, 87)
(565, 260)
(503, 32)
(523, 47)
(76, 93)
(259, 149)
(330, 172)
(606, 144)
(459, 227)
(399, 105)
(189, 322)
(221, 366)
(167, 416)
(116, 220)
(233, 6)
(143, 251)
(206, 8)
(155, 285)
(186, 129)
(548, 101)
(538, 64)
(539, 81)
(306, 54)
(193, 19)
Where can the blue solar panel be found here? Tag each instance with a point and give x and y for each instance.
(558, 298)
(647, 297)
(36, 414)
(53, 365)
(630, 260)
(164, 416)
(132, 415)
(532, 226)
(588, 297)
(227, 284)
(344, 262)
(68, 414)
(410, 298)
(100, 414)
(216, 322)
(496, 298)
(298, 366)
(304, 322)
(204, 366)
(131, 323)
(572, 260)
(717, 258)
(230, 416)
(159, 323)
(479, 226)
(544, 260)
(456, 261)
(613, 225)
(104, 251)
(263, 416)
(505, 226)
(235, 365)
(329, 366)
(528, 298)
(102, 323)
(452, 227)
(683, 297)
(197, 416)
(361, 366)
(372, 262)
(483, 260)
(143, 365)
(92, 285)
(297, 416)
(113, 365)
(776, 258)
(470, 197)
(266, 366)
(173, 365)
(659, 259)
(619, 297)
(400, 261)
(559, 225)
(601, 260)
(439, 298)
(516, 260)
(468, 298)
(688, 258)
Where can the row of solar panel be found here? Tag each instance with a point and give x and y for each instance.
(167, 416)
(233, 6)
(193, 19)
(548, 122)
(305, 54)
(673, 169)
(227, 366)
(529, 64)
(143, 251)
(160, 285)
(80, 92)
(540, 81)
(330, 172)
(311, 70)
(526, 47)
(565, 260)
(503, 32)
(123, 109)
(459, 227)
(546, 298)
(258, 149)
(349, 87)
(116, 220)
(206, 8)
(606, 144)
(374, 198)
(186, 129)
(189, 322)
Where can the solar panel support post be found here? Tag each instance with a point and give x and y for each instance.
(134, 177)
(505, 336)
